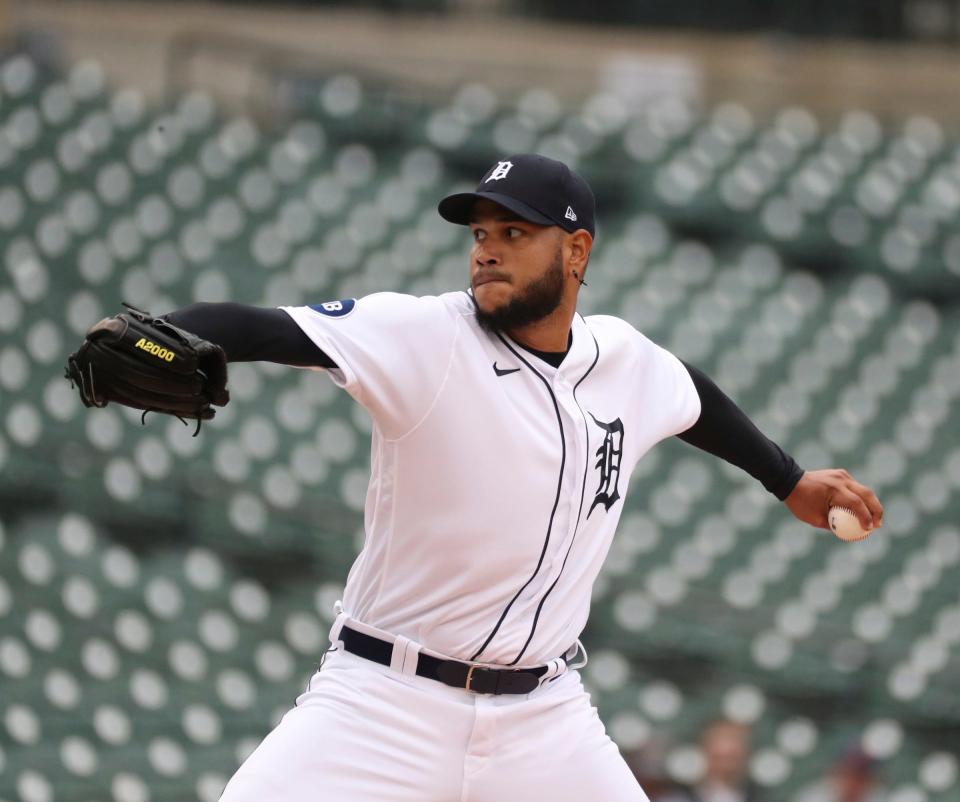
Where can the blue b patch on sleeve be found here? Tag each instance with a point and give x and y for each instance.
(335, 308)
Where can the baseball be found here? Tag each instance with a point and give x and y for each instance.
(845, 525)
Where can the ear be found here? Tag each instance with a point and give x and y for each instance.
(577, 250)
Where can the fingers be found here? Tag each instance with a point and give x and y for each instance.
(871, 501)
(850, 500)
(858, 498)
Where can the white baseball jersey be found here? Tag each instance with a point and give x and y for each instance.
(496, 480)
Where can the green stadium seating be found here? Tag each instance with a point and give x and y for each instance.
(164, 598)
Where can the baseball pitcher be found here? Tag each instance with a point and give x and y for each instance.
(505, 430)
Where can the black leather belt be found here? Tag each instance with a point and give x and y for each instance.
(450, 672)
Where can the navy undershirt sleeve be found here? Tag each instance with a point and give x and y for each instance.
(251, 333)
(726, 432)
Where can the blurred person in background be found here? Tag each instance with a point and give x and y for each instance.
(726, 751)
(649, 765)
(854, 777)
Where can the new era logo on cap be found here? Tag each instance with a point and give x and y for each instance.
(537, 188)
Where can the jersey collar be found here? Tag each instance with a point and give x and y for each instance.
(583, 351)
(581, 354)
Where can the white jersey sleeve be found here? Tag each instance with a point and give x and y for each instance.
(667, 393)
(392, 352)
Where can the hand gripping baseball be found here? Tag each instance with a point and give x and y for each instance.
(146, 363)
(818, 491)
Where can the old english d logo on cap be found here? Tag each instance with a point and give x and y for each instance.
(500, 171)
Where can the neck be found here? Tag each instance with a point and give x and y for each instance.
(550, 334)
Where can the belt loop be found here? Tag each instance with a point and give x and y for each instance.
(577, 648)
(404, 656)
(555, 668)
(338, 622)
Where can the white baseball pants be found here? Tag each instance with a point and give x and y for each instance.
(362, 732)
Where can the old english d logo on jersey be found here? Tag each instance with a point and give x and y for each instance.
(608, 462)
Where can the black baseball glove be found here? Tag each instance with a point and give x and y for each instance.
(144, 362)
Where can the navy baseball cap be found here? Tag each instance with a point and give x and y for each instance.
(536, 188)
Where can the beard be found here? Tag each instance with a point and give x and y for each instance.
(541, 297)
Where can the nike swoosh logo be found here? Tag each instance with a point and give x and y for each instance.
(504, 371)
